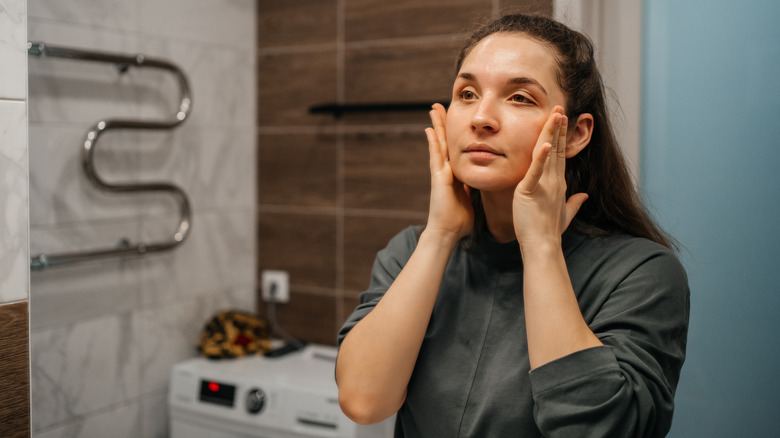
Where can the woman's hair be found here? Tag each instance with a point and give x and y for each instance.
(598, 170)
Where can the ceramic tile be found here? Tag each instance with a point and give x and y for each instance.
(79, 368)
(387, 170)
(298, 169)
(538, 7)
(15, 366)
(14, 197)
(13, 49)
(308, 317)
(219, 254)
(169, 335)
(282, 23)
(59, 190)
(180, 323)
(114, 14)
(214, 166)
(82, 236)
(223, 22)
(408, 72)
(64, 91)
(222, 83)
(241, 297)
(378, 19)
(79, 93)
(72, 293)
(60, 33)
(290, 84)
(121, 422)
(154, 416)
(80, 311)
(302, 244)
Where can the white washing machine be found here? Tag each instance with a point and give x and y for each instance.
(292, 396)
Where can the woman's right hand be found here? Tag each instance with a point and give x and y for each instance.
(450, 211)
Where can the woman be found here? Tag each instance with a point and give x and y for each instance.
(521, 309)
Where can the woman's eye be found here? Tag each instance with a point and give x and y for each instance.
(519, 98)
(467, 95)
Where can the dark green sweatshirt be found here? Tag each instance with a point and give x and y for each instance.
(472, 377)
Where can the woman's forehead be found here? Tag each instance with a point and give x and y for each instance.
(511, 54)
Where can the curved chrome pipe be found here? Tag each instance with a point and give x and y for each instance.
(123, 62)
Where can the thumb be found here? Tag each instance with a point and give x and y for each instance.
(573, 205)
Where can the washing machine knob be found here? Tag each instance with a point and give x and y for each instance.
(255, 400)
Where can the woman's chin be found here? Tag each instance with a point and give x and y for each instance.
(487, 183)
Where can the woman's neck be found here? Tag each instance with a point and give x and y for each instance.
(498, 215)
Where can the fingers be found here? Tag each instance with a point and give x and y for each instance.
(573, 206)
(536, 170)
(560, 150)
(439, 118)
(544, 153)
(437, 137)
(552, 134)
(436, 160)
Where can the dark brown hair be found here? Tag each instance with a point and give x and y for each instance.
(598, 170)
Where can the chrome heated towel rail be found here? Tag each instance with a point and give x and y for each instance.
(124, 247)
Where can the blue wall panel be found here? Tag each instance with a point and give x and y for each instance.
(711, 175)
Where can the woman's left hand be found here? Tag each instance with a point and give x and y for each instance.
(540, 210)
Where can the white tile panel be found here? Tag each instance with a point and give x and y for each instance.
(13, 49)
(83, 367)
(14, 196)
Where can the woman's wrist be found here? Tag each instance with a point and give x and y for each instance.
(540, 249)
(443, 238)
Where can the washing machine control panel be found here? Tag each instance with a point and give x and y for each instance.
(217, 393)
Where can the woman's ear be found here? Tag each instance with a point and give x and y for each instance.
(580, 135)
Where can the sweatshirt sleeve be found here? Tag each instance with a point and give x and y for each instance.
(387, 265)
(624, 388)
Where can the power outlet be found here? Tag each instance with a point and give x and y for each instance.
(279, 282)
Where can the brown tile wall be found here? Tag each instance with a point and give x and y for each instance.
(333, 190)
(14, 371)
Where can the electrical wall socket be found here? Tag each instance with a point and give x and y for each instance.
(280, 280)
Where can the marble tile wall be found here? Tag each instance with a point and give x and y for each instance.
(333, 191)
(14, 250)
(104, 335)
(13, 151)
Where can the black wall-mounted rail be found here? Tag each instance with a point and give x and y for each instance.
(340, 109)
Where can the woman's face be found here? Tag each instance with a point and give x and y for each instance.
(504, 92)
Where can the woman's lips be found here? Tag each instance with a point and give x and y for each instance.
(482, 152)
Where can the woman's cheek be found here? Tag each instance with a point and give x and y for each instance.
(449, 130)
(455, 163)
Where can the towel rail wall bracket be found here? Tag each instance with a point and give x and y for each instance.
(124, 248)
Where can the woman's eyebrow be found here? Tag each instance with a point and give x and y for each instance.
(527, 81)
(467, 76)
(513, 81)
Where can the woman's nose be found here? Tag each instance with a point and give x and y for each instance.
(485, 117)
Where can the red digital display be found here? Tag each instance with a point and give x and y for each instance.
(217, 393)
